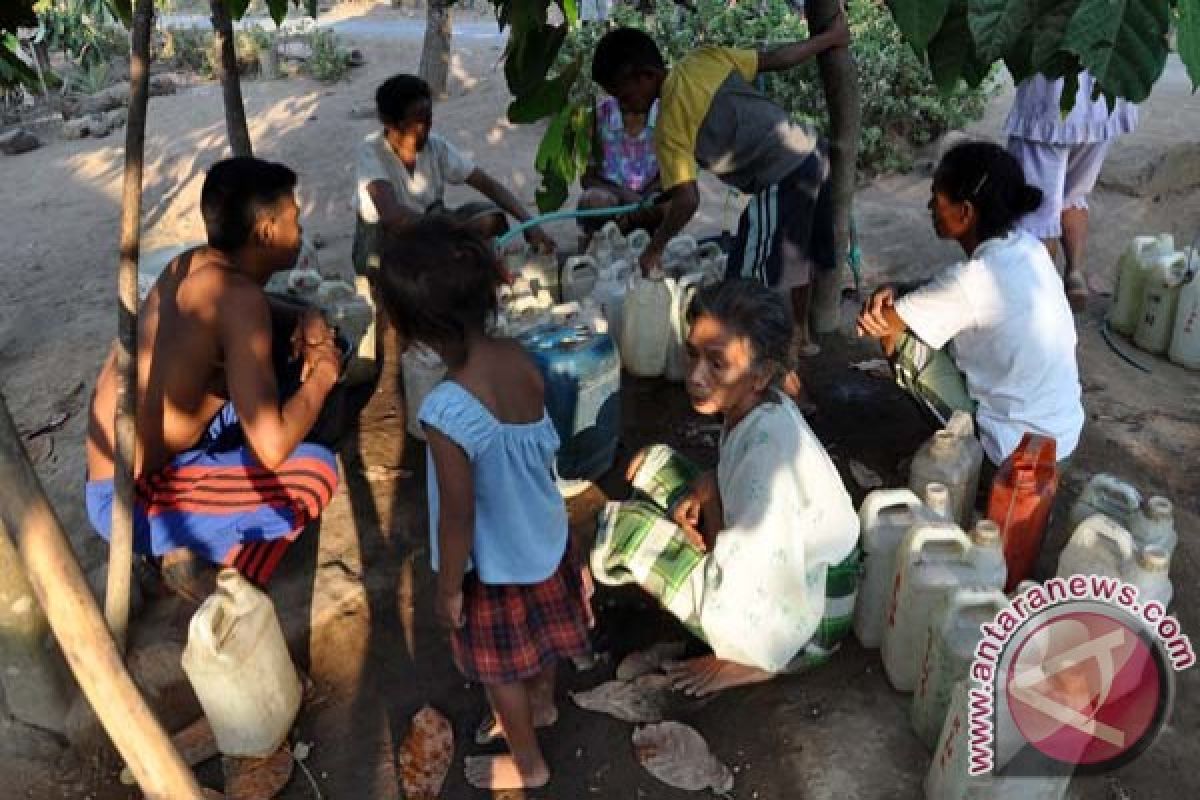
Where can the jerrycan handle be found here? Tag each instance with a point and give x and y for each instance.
(1113, 488)
(577, 263)
(946, 534)
(880, 500)
(1033, 452)
(1100, 526)
(975, 598)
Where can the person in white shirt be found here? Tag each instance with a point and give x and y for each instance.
(1001, 315)
(402, 172)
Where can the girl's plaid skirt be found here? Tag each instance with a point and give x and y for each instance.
(513, 632)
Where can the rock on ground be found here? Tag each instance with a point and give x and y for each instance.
(18, 141)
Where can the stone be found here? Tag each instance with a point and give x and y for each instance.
(18, 141)
(1146, 169)
(76, 128)
(18, 740)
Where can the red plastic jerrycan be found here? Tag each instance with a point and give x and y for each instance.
(1020, 502)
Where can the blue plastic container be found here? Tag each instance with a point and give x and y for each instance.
(582, 372)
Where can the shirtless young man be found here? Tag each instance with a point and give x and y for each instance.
(222, 470)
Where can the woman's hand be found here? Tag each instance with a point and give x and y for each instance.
(449, 610)
(688, 513)
(873, 320)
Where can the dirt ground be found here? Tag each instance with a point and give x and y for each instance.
(355, 594)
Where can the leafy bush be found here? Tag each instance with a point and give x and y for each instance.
(88, 80)
(329, 60)
(82, 30)
(902, 109)
(191, 49)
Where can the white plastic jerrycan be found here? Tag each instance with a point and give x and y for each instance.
(646, 325)
(679, 257)
(1150, 573)
(931, 559)
(1154, 526)
(1159, 302)
(885, 516)
(609, 294)
(1185, 339)
(1099, 546)
(579, 276)
(1109, 495)
(949, 650)
(238, 663)
(952, 456)
(949, 777)
(1133, 268)
(422, 370)
(682, 292)
(637, 242)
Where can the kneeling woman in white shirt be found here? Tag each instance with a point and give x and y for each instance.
(1000, 315)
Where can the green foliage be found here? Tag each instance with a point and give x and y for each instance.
(89, 80)
(329, 60)
(1121, 42)
(191, 49)
(85, 31)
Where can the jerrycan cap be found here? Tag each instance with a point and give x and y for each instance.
(1159, 508)
(937, 497)
(1154, 559)
(986, 534)
(944, 442)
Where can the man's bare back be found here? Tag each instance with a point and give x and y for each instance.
(181, 374)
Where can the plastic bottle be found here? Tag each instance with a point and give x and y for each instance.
(987, 555)
(1185, 338)
(637, 242)
(1150, 573)
(1133, 267)
(238, 663)
(949, 777)
(579, 276)
(1160, 299)
(949, 650)
(609, 294)
(646, 325)
(1154, 525)
(1109, 495)
(1020, 503)
(682, 292)
(884, 517)
(1099, 546)
(422, 370)
(679, 257)
(952, 456)
(932, 558)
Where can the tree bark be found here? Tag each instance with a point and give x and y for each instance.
(839, 76)
(435, 52)
(231, 80)
(27, 519)
(120, 552)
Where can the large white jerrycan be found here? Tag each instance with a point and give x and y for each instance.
(949, 777)
(646, 325)
(579, 276)
(932, 558)
(422, 370)
(950, 642)
(1133, 268)
(1099, 546)
(682, 292)
(1109, 495)
(1150, 573)
(1159, 302)
(609, 294)
(885, 516)
(238, 663)
(1185, 338)
(952, 456)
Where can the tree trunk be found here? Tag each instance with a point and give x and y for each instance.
(231, 81)
(435, 53)
(27, 519)
(120, 553)
(839, 76)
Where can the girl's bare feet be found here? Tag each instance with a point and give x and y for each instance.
(503, 772)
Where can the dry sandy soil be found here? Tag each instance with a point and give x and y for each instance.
(356, 605)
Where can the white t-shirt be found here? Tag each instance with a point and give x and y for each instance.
(1011, 333)
(438, 163)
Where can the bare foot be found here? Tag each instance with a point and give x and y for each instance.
(503, 772)
(709, 674)
(489, 729)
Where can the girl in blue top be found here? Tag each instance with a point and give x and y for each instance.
(497, 522)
